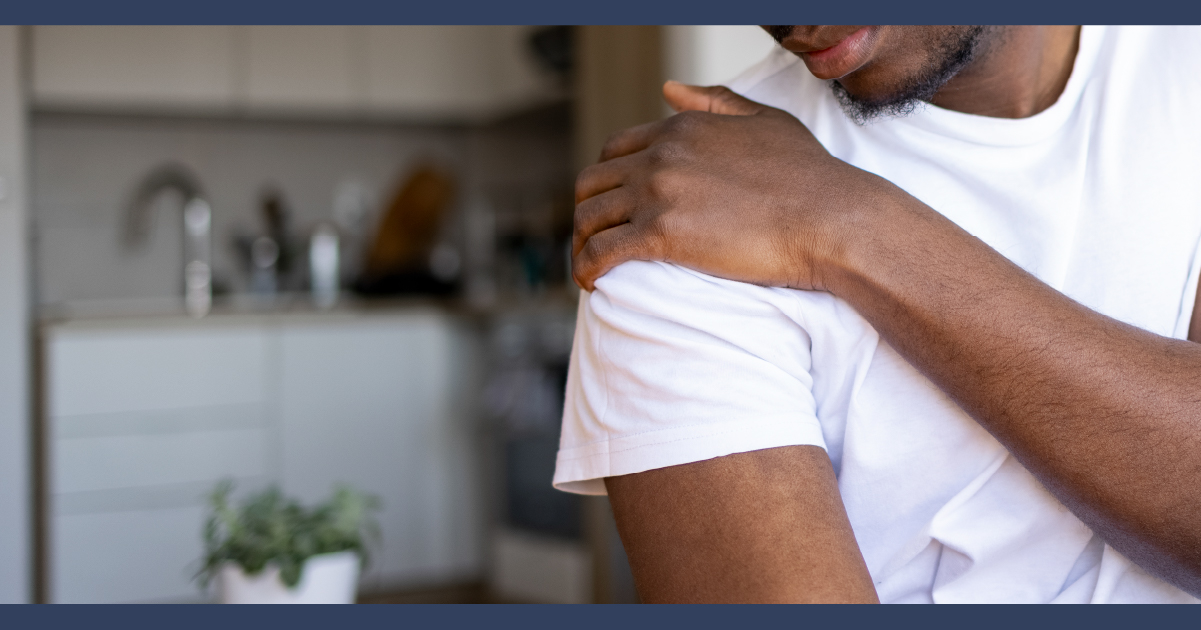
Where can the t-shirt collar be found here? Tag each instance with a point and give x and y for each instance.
(991, 130)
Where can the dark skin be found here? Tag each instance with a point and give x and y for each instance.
(743, 191)
(763, 527)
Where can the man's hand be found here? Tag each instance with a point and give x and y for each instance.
(726, 185)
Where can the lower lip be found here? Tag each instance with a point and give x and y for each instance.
(842, 58)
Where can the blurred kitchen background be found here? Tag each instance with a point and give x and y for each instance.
(306, 256)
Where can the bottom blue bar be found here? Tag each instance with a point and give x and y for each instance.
(486, 617)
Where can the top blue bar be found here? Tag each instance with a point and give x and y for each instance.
(596, 12)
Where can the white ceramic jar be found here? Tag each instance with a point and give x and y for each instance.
(330, 578)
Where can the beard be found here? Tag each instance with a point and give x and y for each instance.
(952, 54)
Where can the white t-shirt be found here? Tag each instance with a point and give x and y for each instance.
(1099, 196)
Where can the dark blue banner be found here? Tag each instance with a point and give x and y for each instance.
(596, 12)
(481, 617)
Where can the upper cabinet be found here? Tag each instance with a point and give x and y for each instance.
(301, 67)
(426, 70)
(111, 67)
(415, 73)
(470, 70)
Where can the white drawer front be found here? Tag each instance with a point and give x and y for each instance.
(136, 556)
(109, 371)
(125, 461)
(374, 405)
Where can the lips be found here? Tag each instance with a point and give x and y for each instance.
(842, 58)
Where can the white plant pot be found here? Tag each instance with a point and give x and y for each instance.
(329, 578)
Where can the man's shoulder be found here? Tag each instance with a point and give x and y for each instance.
(1171, 43)
(669, 291)
(657, 300)
(1169, 56)
(670, 366)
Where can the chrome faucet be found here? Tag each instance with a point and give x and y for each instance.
(197, 230)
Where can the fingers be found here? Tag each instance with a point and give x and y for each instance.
(630, 140)
(604, 176)
(608, 249)
(599, 213)
(717, 99)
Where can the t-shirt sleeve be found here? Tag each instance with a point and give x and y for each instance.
(670, 366)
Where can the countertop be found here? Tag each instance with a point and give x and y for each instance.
(248, 309)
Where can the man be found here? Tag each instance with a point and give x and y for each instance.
(1027, 242)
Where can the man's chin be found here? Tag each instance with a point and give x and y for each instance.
(910, 91)
(865, 111)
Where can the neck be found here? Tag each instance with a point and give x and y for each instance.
(1020, 72)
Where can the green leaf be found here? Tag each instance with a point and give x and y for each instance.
(268, 528)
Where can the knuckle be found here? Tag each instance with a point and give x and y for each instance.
(677, 152)
(657, 184)
(673, 124)
(686, 122)
(611, 146)
(588, 264)
(663, 153)
(591, 251)
(662, 183)
(580, 263)
(593, 212)
(582, 180)
(581, 214)
(581, 280)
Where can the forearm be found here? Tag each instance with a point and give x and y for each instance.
(1106, 415)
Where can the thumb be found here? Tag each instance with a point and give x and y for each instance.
(717, 99)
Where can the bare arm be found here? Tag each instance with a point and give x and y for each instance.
(764, 526)
(1106, 415)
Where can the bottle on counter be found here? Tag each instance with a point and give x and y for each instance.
(198, 254)
(264, 257)
(323, 265)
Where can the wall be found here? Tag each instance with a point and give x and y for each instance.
(621, 70)
(618, 83)
(85, 167)
(14, 331)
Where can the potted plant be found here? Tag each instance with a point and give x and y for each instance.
(271, 549)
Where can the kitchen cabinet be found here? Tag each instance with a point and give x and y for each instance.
(298, 68)
(143, 416)
(425, 70)
(169, 68)
(384, 404)
(468, 72)
(409, 73)
(128, 555)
